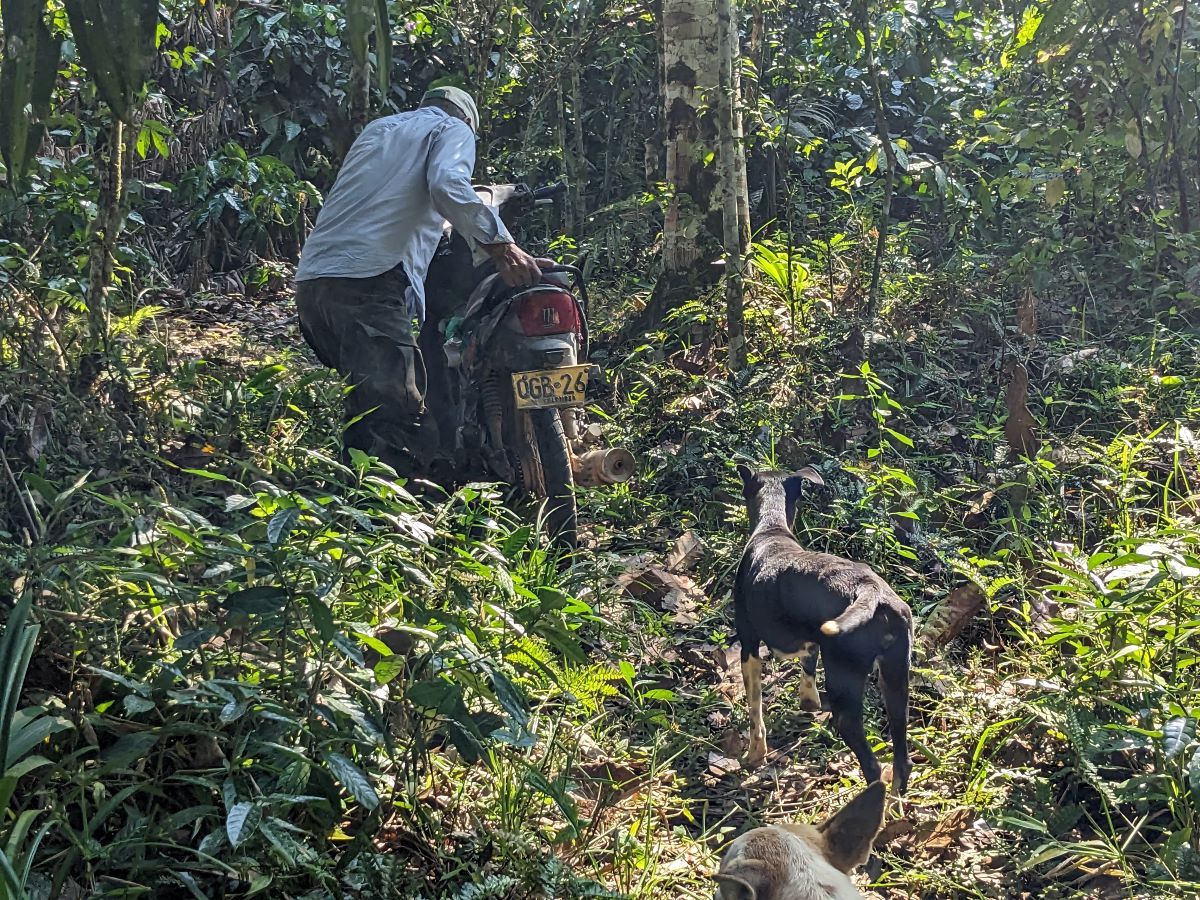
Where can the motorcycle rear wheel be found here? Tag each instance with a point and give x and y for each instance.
(562, 516)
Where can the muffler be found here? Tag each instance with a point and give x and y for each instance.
(597, 467)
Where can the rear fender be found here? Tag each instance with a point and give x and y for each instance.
(518, 353)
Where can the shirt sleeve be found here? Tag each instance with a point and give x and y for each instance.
(451, 161)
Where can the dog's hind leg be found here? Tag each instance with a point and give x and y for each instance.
(810, 700)
(752, 681)
(845, 686)
(893, 683)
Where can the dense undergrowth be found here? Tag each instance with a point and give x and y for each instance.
(260, 671)
(233, 665)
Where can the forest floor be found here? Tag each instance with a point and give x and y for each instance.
(657, 770)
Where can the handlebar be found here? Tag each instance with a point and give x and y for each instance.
(549, 192)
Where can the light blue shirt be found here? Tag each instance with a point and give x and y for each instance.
(405, 176)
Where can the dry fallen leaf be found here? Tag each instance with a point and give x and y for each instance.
(607, 777)
(892, 830)
(684, 603)
(1042, 606)
(1071, 360)
(947, 833)
(1055, 189)
(952, 615)
(39, 434)
(1027, 318)
(685, 553)
(722, 765)
(1021, 428)
(655, 585)
(207, 753)
(977, 514)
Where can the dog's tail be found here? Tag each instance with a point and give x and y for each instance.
(857, 614)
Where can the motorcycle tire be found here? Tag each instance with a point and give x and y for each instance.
(555, 456)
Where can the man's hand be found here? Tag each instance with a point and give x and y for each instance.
(516, 267)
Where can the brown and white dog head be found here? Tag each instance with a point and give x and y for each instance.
(803, 862)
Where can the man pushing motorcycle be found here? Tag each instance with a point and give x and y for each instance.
(360, 282)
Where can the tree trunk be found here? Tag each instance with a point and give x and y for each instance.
(106, 227)
(692, 66)
(734, 56)
(735, 237)
(889, 154)
(691, 41)
(564, 145)
(756, 50)
(358, 86)
(657, 139)
(578, 169)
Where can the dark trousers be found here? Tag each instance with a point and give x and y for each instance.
(362, 328)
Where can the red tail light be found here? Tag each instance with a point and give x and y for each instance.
(548, 311)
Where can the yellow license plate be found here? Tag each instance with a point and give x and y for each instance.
(549, 388)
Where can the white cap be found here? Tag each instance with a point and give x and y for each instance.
(460, 99)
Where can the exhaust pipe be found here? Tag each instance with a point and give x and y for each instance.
(597, 467)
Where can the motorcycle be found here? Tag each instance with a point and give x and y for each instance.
(516, 373)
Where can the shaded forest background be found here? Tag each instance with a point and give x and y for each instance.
(232, 666)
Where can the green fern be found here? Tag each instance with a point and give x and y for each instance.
(493, 887)
(130, 325)
(588, 685)
(1079, 728)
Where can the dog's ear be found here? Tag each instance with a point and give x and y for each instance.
(746, 474)
(808, 473)
(850, 832)
(745, 886)
(794, 484)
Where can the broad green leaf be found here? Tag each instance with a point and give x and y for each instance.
(282, 523)
(1193, 775)
(433, 694)
(1133, 142)
(256, 600)
(128, 749)
(388, 669)
(510, 697)
(658, 694)
(213, 842)
(238, 501)
(262, 882)
(516, 542)
(1055, 188)
(467, 744)
(135, 705)
(353, 779)
(233, 710)
(29, 731)
(322, 618)
(1178, 733)
(190, 640)
(210, 475)
(130, 683)
(241, 821)
(24, 767)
